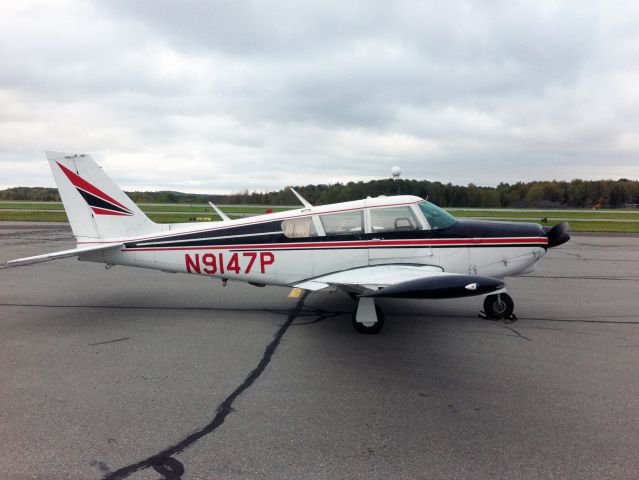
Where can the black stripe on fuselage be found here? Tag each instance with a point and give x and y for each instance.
(263, 248)
(310, 249)
(261, 233)
(182, 239)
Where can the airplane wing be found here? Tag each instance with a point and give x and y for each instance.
(405, 281)
(63, 254)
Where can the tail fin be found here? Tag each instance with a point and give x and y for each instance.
(95, 205)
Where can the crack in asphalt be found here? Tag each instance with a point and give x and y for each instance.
(319, 315)
(517, 333)
(109, 341)
(483, 332)
(164, 462)
(581, 320)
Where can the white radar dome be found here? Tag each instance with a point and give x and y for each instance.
(396, 171)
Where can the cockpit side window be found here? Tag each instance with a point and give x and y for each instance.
(393, 219)
(343, 223)
(299, 227)
(435, 216)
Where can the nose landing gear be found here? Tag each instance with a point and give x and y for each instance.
(499, 307)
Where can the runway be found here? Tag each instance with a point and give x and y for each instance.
(131, 373)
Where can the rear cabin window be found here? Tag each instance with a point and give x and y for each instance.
(393, 219)
(343, 223)
(299, 227)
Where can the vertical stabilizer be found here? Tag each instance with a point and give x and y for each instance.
(96, 207)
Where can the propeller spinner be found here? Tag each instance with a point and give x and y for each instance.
(557, 235)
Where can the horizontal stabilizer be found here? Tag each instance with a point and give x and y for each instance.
(56, 255)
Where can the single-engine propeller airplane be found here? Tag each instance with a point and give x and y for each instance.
(383, 247)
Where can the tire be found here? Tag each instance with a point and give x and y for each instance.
(499, 306)
(361, 328)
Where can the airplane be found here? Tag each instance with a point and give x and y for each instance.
(383, 247)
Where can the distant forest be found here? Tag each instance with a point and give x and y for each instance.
(576, 193)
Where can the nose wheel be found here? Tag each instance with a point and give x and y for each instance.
(499, 306)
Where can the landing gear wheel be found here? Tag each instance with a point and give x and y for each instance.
(499, 306)
(376, 328)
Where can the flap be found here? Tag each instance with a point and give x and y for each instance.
(370, 278)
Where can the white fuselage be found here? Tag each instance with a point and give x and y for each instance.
(263, 250)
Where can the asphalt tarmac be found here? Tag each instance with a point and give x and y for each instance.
(130, 373)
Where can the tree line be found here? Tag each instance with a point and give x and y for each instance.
(576, 193)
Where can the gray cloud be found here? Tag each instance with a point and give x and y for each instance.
(219, 96)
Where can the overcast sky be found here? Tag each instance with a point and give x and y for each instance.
(207, 96)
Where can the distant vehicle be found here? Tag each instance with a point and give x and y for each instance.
(397, 247)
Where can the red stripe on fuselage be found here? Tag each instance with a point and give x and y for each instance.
(363, 243)
(80, 182)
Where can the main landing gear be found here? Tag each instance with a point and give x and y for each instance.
(368, 318)
(499, 307)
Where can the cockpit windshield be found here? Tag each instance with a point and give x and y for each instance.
(436, 217)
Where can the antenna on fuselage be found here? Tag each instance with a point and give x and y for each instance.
(301, 199)
(222, 215)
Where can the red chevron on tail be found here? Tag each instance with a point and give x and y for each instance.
(100, 202)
